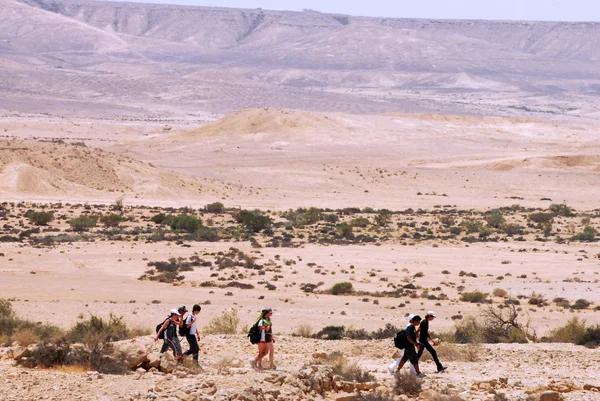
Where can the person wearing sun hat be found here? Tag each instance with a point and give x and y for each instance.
(168, 332)
(424, 337)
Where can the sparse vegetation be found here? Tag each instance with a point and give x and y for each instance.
(342, 288)
(227, 323)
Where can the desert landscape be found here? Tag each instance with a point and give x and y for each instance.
(345, 171)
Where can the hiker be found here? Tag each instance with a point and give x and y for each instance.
(394, 365)
(168, 332)
(424, 338)
(265, 345)
(410, 353)
(192, 334)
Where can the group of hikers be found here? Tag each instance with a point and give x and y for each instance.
(180, 321)
(413, 340)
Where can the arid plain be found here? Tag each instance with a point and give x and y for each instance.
(425, 188)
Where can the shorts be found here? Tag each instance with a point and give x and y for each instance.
(410, 354)
(174, 344)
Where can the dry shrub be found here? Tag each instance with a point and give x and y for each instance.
(500, 293)
(407, 384)
(224, 364)
(455, 352)
(304, 330)
(443, 396)
(371, 396)
(227, 323)
(25, 336)
(349, 371)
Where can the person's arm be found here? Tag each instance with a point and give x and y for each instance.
(410, 340)
(192, 320)
(164, 326)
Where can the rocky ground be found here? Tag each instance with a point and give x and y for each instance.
(304, 372)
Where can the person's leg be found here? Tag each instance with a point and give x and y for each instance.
(177, 347)
(420, 353)
(261, 353)
(433, 354)
(164, 347)
(402, 361)
(193, 342)
(271, 349)
(170, 344)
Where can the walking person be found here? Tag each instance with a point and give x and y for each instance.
(168, 332)
(410, 353)
(392, 368)
(193, 335)
(265, 345)
(424, 337)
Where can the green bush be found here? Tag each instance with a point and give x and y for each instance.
(512, 229)
(254, 221)
(561, 210)
(162, 218)
(302, 217)
(588, 234)
(331, 333)
(471, 226)
(83, 223)
(474, 297)
(186, 223)
(541, 217)
(591, 337)
(345, 230)
(40, 218)
(573, 331)
(207, 234)
(360, 222)
(581, 304)
(495, 219)
(111, 220)
(342, 288)
(97, 329)
(216, 207)
(455, 230)
(331, 218)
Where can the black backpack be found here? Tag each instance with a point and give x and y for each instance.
(160, 325)
(400, 340)
(184, 330)
(254, 334)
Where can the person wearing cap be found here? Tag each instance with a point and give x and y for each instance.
(410, 353)
(168, 332)
(424, 337)
(393, 367)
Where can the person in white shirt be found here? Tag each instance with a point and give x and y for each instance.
(192, 335)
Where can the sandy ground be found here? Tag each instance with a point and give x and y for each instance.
(280, 159)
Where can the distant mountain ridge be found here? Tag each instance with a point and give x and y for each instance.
(283, 51)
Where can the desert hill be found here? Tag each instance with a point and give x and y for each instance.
(49, 170)
(126, 59)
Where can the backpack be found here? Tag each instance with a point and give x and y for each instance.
(254, 334)
(159, 326)
(400, 340)
(184, 330)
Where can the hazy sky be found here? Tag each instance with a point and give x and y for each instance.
(554, 10)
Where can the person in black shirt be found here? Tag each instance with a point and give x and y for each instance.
(410, 353)
(424, 338)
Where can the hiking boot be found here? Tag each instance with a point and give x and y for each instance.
(421, 375)
(440, 370)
